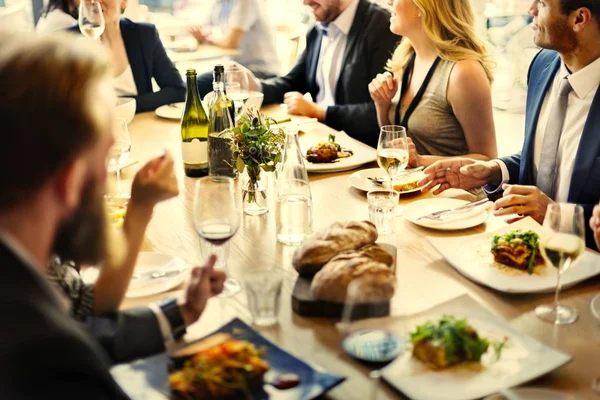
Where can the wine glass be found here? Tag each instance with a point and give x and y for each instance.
(91, 19)
(233, 90)
(216, 218)
(392, 151)
(236, 74)
(561, 246)
(119, 153)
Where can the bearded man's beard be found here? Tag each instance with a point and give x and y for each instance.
(88, 237)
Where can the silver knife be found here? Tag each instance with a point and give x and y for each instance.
(467, 206)
(379, 181)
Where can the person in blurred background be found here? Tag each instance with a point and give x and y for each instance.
(58, 15)
(348, 46)
(244, 25)
(439, 84)
(53, 203)
(560, 159)
(595, 225)
(138, 56)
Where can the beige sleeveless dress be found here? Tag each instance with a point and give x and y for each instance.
(433, 127)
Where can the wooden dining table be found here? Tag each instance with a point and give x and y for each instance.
(424, 278)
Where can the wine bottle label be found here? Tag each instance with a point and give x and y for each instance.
(194, 152)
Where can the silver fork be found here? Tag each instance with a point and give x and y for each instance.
(443, 214)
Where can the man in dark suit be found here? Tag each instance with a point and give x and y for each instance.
(347, 48)
(58, 107)
(560, 159)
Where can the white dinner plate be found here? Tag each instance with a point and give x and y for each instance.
(170, 111)
(360, 180)
(455, 221)
(533, 394)
(473, 259)
(363, 154)
(522, 358)
(141, 285)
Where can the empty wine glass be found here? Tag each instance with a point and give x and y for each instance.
(561, 246)
(119, 153)
(91, 19)
(392, 151)
(233, 90)
(236, 74)
(216, 215)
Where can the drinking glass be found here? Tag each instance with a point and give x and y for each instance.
(216, 215)
(236, 74)
(263, 289)
(561, 246)
(382, 205)
(91, 19)
(233, 90)
(119, 153)
(392, 151)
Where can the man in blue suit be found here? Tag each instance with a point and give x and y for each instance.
(560, 159)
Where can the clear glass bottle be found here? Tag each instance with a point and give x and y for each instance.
(220, 158)
(294, 201)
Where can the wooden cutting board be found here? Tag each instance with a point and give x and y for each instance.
(305, 304)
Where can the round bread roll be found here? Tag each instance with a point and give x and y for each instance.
(377, 281)
(323, 245)
(371, 251)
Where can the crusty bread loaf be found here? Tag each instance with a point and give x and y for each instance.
(323, 245)
(371, 251)
(377, 281)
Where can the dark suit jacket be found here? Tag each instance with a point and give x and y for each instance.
(148, 59)
(585, 180)
(43, 352)
(370, 44)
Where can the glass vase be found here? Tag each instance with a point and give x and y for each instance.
(254, 192)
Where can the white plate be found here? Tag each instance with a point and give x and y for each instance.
(360, 180)
(473, 259)
(523, 358)
(533, 394)
(363, 154)
(595, 306)
(149, 262)
(455, 221)
(170, 111)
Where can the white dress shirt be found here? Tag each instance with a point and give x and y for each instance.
(125, 83)
(332, 50)
(585, 83)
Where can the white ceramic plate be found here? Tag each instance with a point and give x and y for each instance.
(455, 221)
(360, 180)
(473, 259)
(149, 262)
(363, 154)
(170, 111)
(595, 306)
(533, 394)
(522, 359)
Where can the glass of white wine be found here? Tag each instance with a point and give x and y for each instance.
(119, 153)
(91, 19)
(234, 74)
(562, 246)
(392, 151)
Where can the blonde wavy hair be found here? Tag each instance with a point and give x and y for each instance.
(449, 24)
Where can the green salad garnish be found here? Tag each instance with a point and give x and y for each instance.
(516, 238)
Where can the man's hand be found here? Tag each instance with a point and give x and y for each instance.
(298, 105)
(525, 201)
(595, 224)
(459, 173)
(204, 283)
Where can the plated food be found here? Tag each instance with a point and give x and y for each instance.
(518, 249)
(218, 367)
(449, 341)
(327, 152)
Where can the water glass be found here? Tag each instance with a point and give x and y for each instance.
(382, 205)
(263, 289)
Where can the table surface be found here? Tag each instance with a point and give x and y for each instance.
(424, 279)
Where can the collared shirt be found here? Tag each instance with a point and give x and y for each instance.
(585, 83)
(333, 46)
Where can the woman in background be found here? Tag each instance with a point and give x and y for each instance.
(138, 56)
(439, 82)
(58, 15)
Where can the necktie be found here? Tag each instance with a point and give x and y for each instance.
(546, 175)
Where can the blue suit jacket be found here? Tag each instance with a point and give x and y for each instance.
(585, 181)
(148, 59)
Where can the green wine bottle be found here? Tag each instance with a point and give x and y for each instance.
(194, 131)
(220, 158)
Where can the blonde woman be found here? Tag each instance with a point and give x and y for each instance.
(438, 82)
